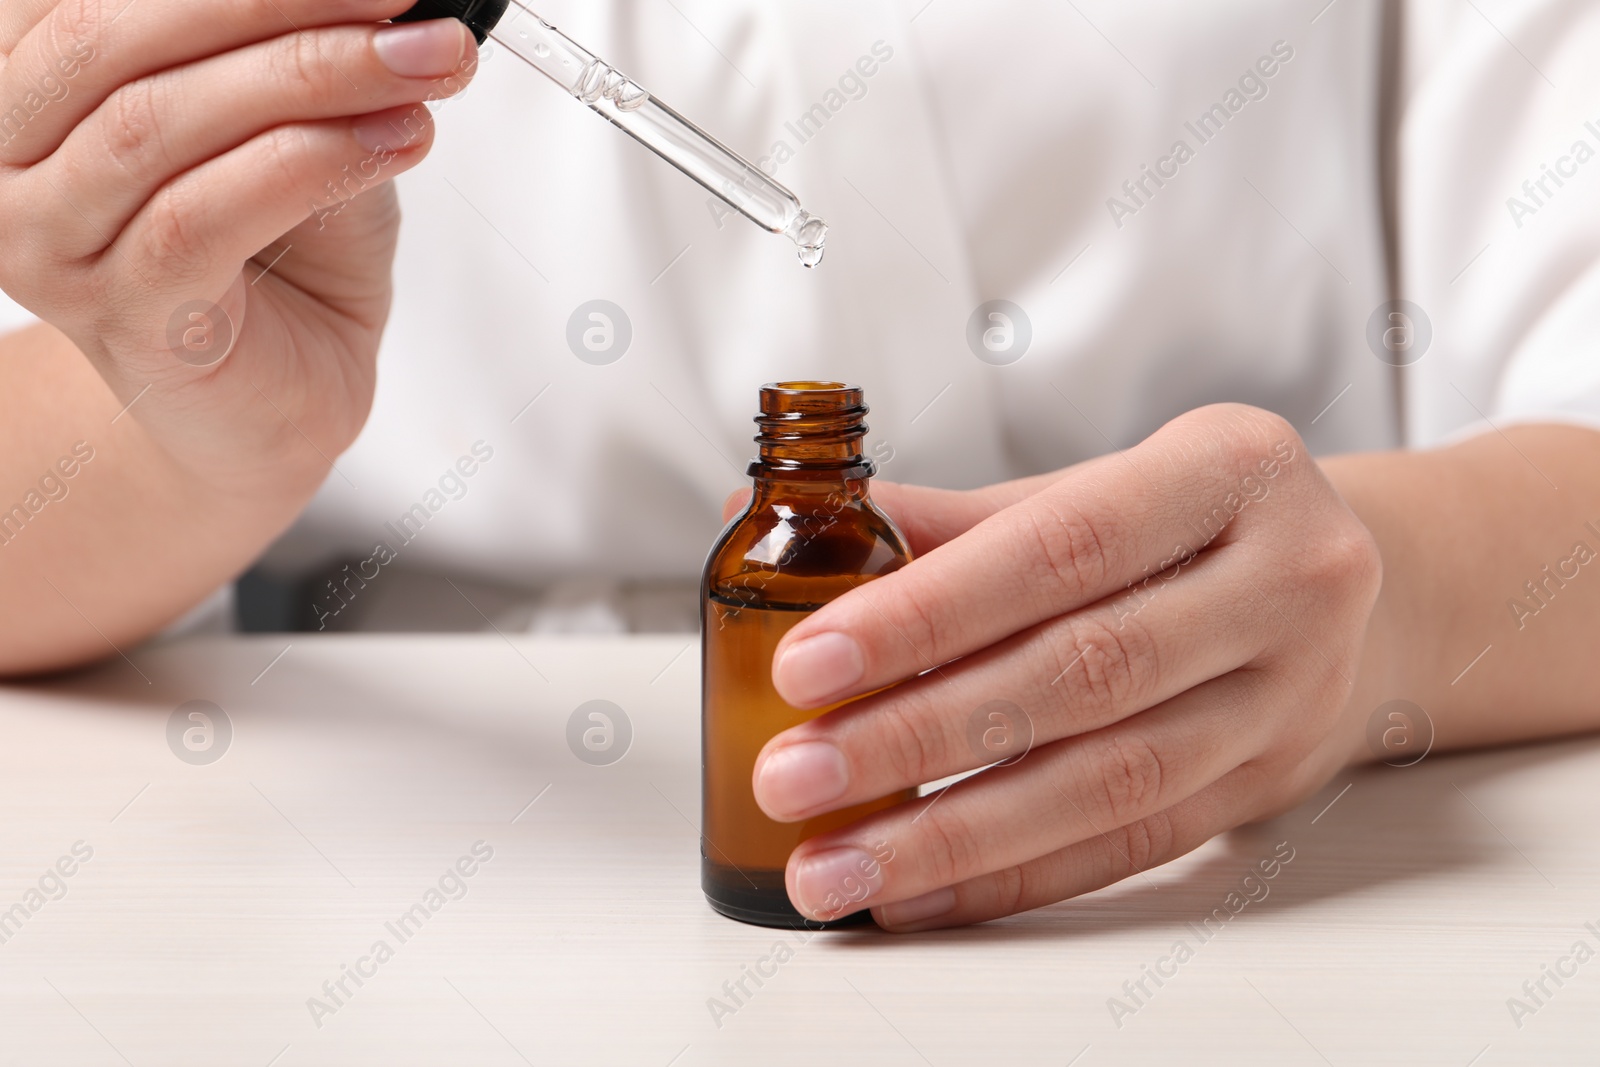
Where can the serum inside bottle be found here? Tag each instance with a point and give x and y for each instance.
(810, 534)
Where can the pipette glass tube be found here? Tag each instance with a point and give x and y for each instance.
(743, 185)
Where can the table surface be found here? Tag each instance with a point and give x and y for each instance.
(220, 897)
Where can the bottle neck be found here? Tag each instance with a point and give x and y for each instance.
(809, 492)
(811, 434)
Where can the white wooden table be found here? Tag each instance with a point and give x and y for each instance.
(220, 897)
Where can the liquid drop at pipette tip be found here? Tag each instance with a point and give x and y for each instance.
(810, 235)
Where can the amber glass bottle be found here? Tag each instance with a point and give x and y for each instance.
(809, 535)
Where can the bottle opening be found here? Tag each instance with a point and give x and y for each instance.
(812, 425)
(807, 387)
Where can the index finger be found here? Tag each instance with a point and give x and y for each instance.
(78, 54)
(17, 17)
(1086, 537)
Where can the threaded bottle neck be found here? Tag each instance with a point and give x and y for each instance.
(812, 427)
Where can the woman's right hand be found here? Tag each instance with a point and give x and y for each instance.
(196, 192)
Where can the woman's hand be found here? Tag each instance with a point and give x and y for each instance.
(1160, 644)
(196, 193)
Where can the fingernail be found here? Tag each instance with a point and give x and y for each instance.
(917, 909)
(834, 883)
(818, 668)
(422, 49)
(797, 778)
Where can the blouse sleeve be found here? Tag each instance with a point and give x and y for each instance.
(13, 316)
(1499, 214)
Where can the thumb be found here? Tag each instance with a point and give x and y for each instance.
(930, 517)
(737, 501)
(343, 254)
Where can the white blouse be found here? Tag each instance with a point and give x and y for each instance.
(1178, 203)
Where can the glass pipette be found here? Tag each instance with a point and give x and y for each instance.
(737, 181)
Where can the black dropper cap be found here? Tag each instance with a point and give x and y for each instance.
(481, 16)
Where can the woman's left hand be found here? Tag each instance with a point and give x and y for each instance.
(1159, 645)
